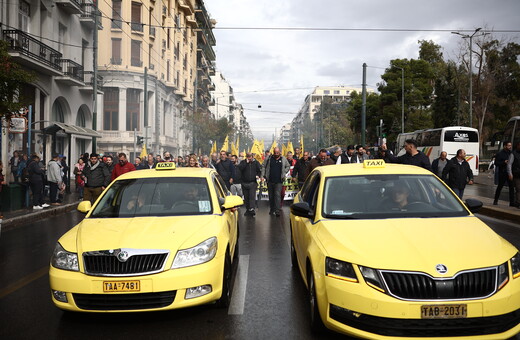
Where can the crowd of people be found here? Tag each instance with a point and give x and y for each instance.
(243, 173)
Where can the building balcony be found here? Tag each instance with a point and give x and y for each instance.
(70, 6)
(87, 17)
(72, 73)
(32, 53)
(137, 27)
(116, 61)
(88, 78)
(186, 6)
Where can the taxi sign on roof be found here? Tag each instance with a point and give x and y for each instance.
(374, 163)
(165, 166)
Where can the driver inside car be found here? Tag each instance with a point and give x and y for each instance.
(398, 198)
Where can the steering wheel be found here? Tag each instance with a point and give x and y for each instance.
(416, 205)
(185, 205)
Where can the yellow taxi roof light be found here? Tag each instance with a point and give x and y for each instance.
(165, 166)
(374, 163)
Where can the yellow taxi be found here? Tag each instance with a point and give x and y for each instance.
(155, 239)
(388, 251)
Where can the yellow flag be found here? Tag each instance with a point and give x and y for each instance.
(255, 149)
(143, 154)
(274, 145)
(284, 150)
(262, 146)
(301, 145)
(290, 147)
(225, 145)
(234, 150)
(213, 148)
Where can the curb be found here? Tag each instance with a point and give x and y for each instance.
(500, 213)
(18, 221)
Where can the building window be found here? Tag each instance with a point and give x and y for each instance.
(116, 51)
(185, 61)
(132, 109)
(80, 119)
(136, 54)
(111, 109)
(168, 71)
(326, 91)
(137, 24)
(24, 13)
(336, 91)
(117, 20)
(57, 112)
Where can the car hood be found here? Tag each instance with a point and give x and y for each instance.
(415, 244)
(141, 232)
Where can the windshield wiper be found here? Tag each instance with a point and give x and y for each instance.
(344, 217)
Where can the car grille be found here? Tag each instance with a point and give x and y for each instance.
(424, 327)
(109, 264)
(418, 286)
(124, 301)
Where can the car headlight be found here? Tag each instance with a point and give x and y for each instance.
(201, 253)
(340, 269)
(63, 259)
(372, 278)
(503, 275)
(515, 265)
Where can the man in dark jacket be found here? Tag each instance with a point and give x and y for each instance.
(250, 171)
(501, 161)
(439, 164)
(36, 176)
(302, 169)
(274, 171)
(236, 187)
(320, 160)
(226, 169)
(513, 169)
(411, 157)
(349, 156)
(457, 173)
(97, 178)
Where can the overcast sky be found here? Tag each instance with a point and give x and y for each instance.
(278, 68)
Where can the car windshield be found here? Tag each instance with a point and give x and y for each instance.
(389, 196)
(155, 197)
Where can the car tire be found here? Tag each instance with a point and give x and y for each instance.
(316, 322)
(225, 298)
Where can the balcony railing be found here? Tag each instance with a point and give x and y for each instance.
(137, 26)
(72, 69)
(71, 6)
(88, 14)
(25, 44)
(135, 62)
(116, 61)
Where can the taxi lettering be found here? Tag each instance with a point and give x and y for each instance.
(374, 163)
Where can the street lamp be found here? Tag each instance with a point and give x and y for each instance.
(466, 36)
(402, 98)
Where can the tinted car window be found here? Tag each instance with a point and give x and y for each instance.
(155, 197)
(389, 196)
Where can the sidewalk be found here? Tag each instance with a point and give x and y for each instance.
(22, 217)
(482, 190)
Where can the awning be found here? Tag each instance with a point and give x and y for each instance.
(71, 130)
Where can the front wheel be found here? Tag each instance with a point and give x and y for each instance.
(294, 259)
(316, 322)
(225, 298)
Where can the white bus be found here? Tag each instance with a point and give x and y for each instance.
(433, 141)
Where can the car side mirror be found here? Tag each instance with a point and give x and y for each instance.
(302, 209)
(232, 201)
(473, 205)
(84, 207)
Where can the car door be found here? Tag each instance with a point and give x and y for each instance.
(229, 217)
(303, 226)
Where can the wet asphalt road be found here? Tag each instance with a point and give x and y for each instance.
(275, 298)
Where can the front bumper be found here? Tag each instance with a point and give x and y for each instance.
(160, 291)
(359, 310)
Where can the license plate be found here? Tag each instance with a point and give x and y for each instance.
(444, 311)
(121, 286)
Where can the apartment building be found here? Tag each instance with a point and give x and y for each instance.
(149, 67)
(52, 39)
(312, 103)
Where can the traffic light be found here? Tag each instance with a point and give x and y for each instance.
(140, 140)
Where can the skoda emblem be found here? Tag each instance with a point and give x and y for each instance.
(122, 256)
(441, 269)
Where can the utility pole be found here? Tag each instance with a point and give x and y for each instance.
(364, 105)
(146, 107)
(95, 84)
